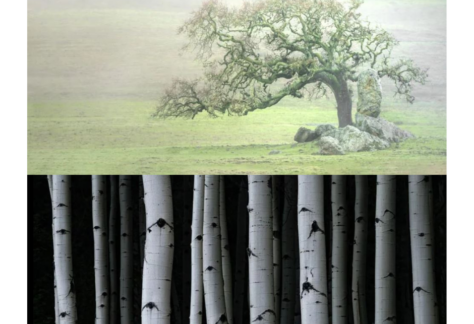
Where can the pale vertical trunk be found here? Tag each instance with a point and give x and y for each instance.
(56, 308)
(385, 290)
(63, 250)
(159, 247)
(113, 249)
(212, 260)
(101, 269)
(339, 250)
(288, 242)
(312, 247)
(422, 241)
(126, 250)
(260, 250)
(359, 255)
(277, 183)
(195, 316)
(225, 253)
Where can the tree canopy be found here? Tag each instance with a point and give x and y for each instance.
(269, 49)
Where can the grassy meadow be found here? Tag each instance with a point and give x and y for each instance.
(95, 73)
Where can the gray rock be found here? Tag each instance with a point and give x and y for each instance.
(304, 135)
(369, 91)
(321, 129)
(274, 152)
(382, 128)
(330, 146)
(351, 139)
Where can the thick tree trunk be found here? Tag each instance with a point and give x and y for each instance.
(113, 251)
(212, 261)
(385, 289)
(225, 253)
(260, 250)
(312, 249)
(159, 243)
(63, 249)
(56, 308)
(101, 253)
(277, 185)
(421, 235)
(195, 316)
(344, 104)
(339, 251)
(126, 250)
(359, 255)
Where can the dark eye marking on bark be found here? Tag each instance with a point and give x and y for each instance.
(260, 317)
(307, 287)
(286, 257)
(390, 319)
(101, 192)
(64, 314)
(123, 298)
(388, 211)
(333, 182)
(124, 235)
(199, 237)
(210, 268)
(359, 219)
(418, 289)
(379, 220)
(390, 275)
(61, 205)
(62, 231)
(304, 209)
(249, 209)
(250, 253)
(104, 294)
(421, 234)
(340, 208)
(72, 288)
(96, 227)
(390, 230)
(150, 306)
(315, 228)
(214, 225)
(160, 223)
(123, 184)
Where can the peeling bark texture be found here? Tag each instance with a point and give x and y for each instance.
(422, 242)
(56, 307)
(62, 249)
(288, 242)
(359, 254)
(126, 250)
(158, 259)
(277, 195)
(101, 252)
(339, 250)
(312, 250)
(195, 316)
(225, 253)
(385, 276)
(212, 264)
(260, 250)
(113, 251)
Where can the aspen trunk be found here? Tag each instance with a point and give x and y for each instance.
(359, 255)
(126, 250)
(63, 250)
(56, 307)
(288, 238)
(159, 243)
(339, 250)
(385, 289)
(312, 247)
(212, 261)
(422, 242)
(277, 184)
(195, 316)
(100, 230)
(260, 250)
(113, 251)
(225, 253)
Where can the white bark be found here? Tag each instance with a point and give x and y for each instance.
(159, 247)
(56, 307)
(63, 249)
(225, 253)
(101, 269)
(312, 247)
(260, 250)
(126, 250)
(195, 316)
(359, 255)
(385, 297)
(113, 246)
(422, 241)
(212, 265)
(277, 184)
(339, 250)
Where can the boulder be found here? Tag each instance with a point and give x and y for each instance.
(330, 146)
(351, 139)
(369, 92)
(382, 128)
(304, 135)
(321, 129)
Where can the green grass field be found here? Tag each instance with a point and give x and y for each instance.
(95, 75)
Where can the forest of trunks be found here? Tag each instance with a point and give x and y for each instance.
(268, 219)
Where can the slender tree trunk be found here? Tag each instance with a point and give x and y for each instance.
(212, 261)
(421, 235)
(339, 251)
(260, 250)
(126, 250)
(159, 243)
(113, 251)
(359, 301)
(289, 231)
(312, 247)
(63, 249)
(277, 184)
(101, 267)
(344, 104)
(195, 316)
(226, 266)
(385, 289)
(56, 307)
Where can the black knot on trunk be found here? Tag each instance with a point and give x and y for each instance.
(150, 305)
(421, 234)
(124, 234)
(214, 225)
(96, 227)
(199, 237)
(102, 306)
(104, 294)
(210, 268)
(161, 222)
